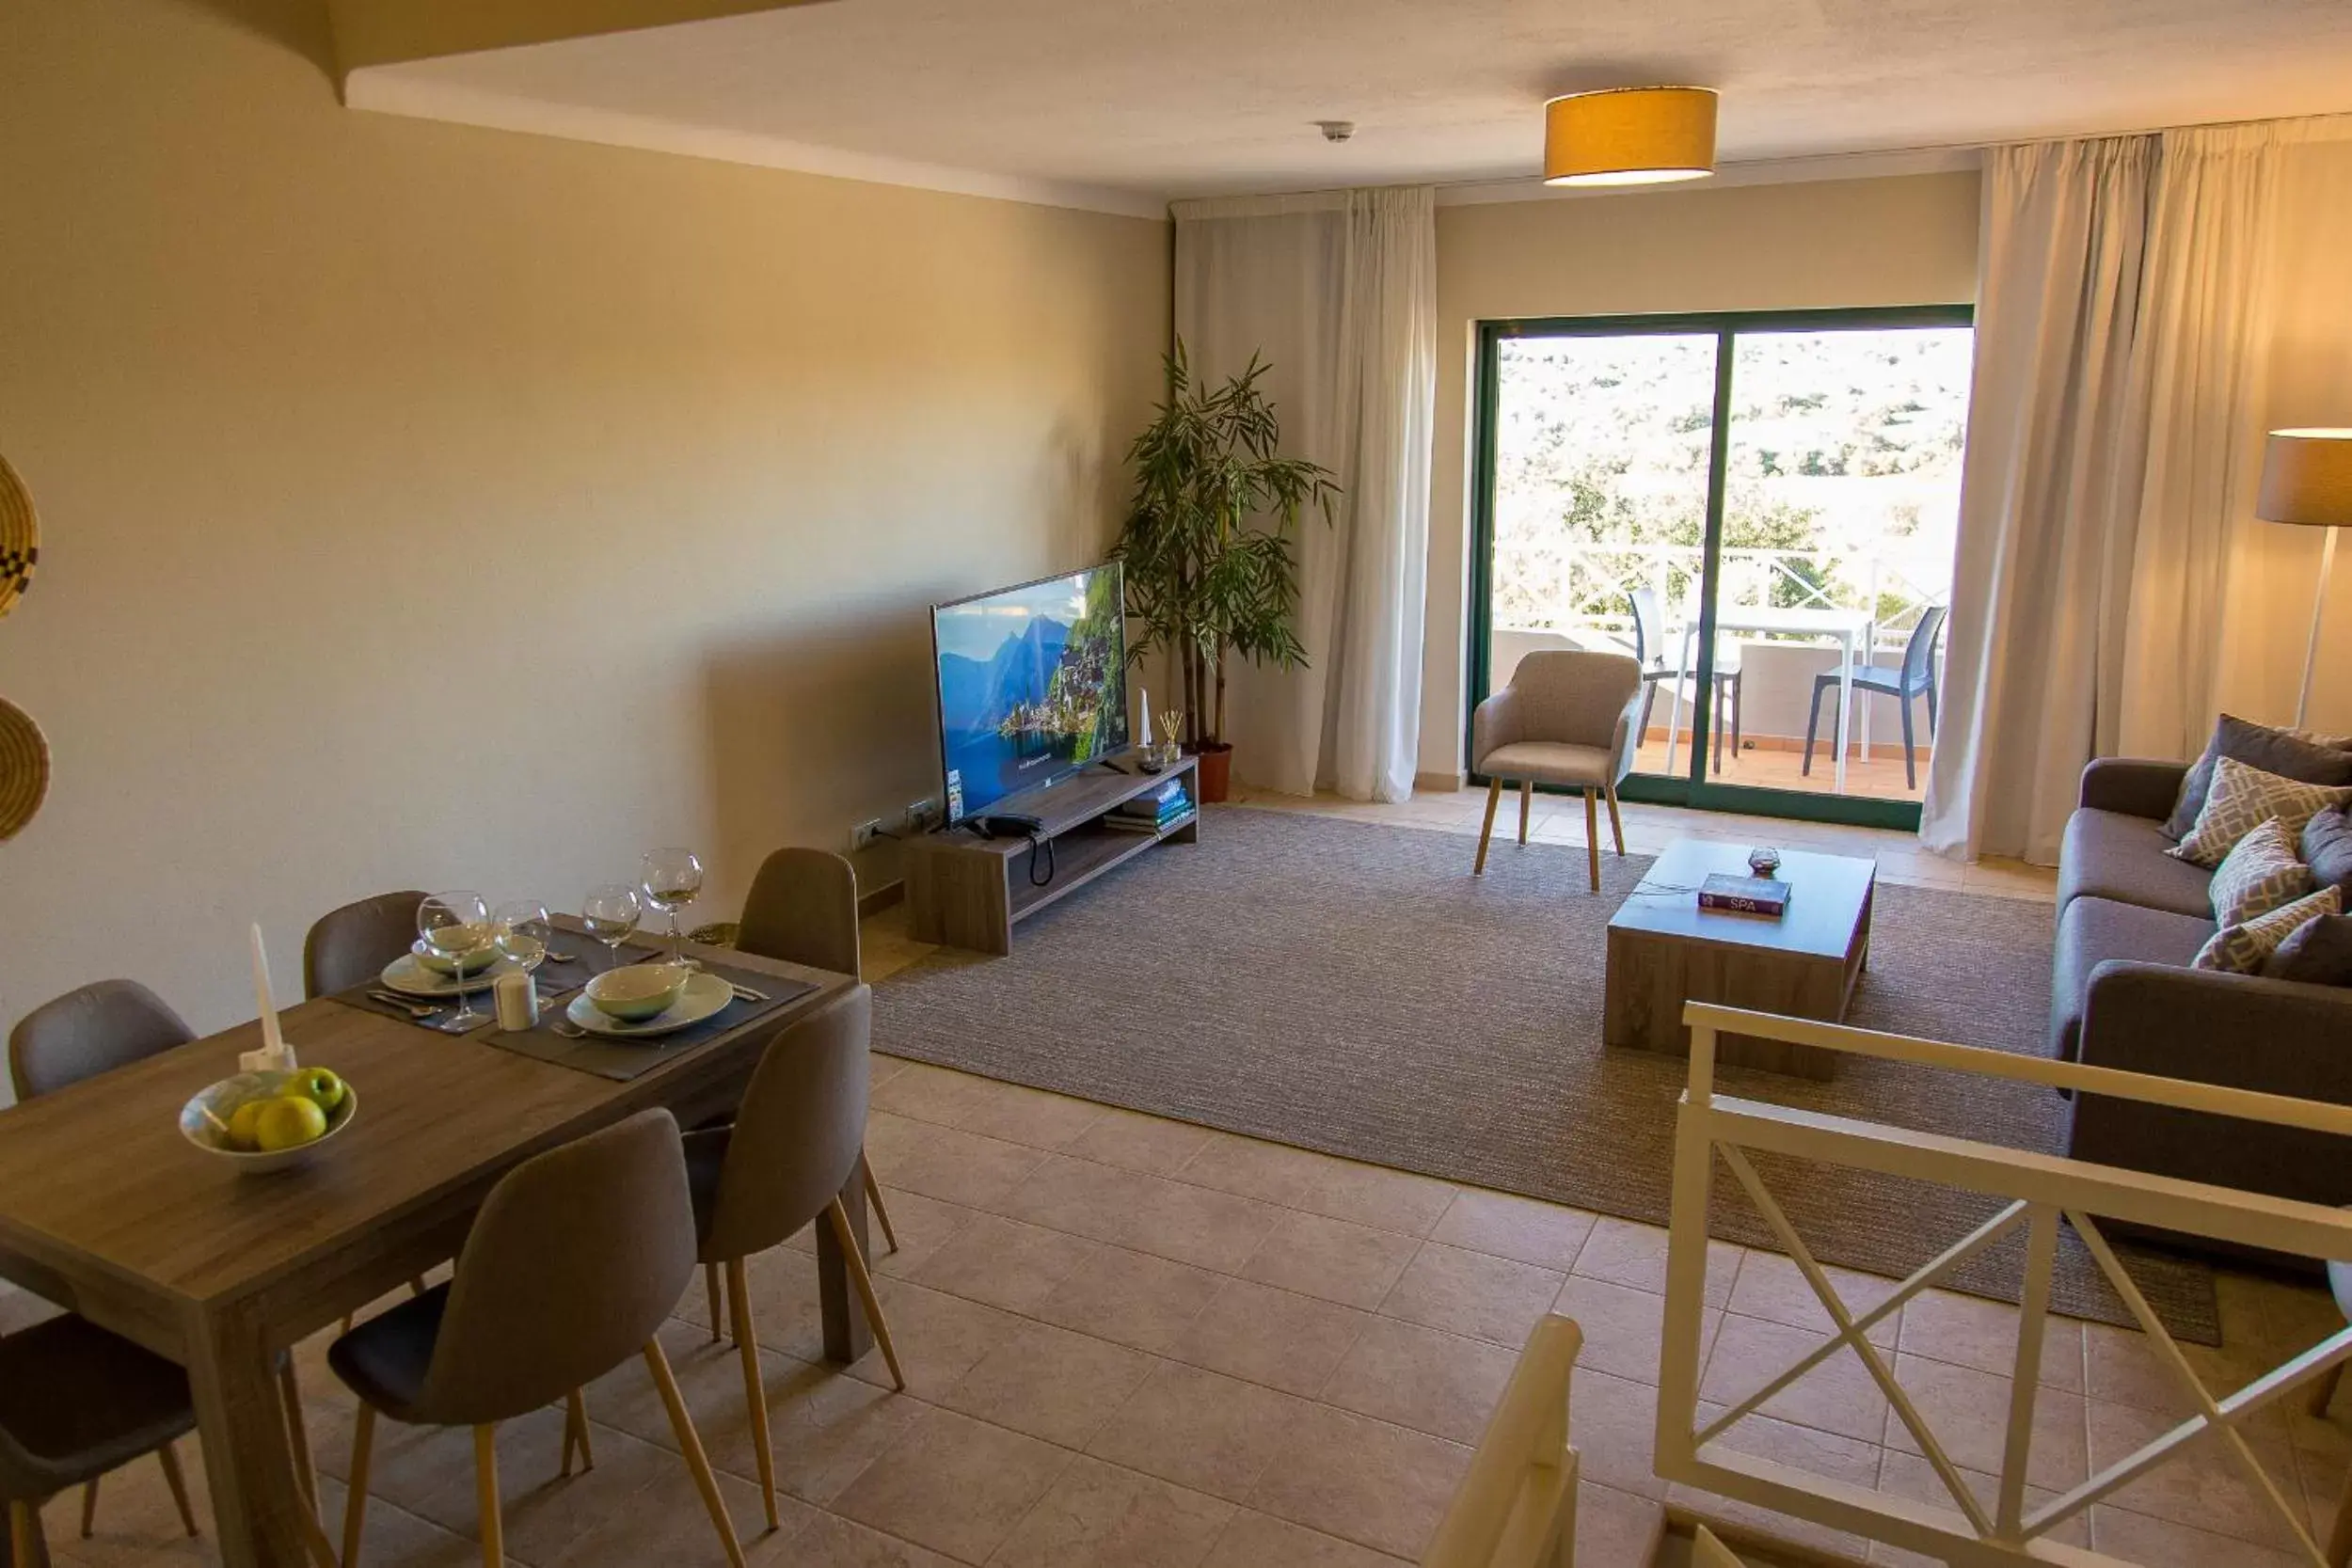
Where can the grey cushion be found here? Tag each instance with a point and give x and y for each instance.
(2319, 953)
(386, 1358)
(2092, 931)
(2328, 851)
(2278, 751)
(1549, 762)
(2107, 854)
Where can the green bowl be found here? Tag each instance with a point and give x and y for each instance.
(638, 992)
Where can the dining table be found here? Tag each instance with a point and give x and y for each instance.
(1850, 629)
(107, 1209)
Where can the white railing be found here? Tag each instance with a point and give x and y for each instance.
(2040, 1190)
(1517, 1507)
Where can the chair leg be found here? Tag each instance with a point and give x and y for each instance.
(1527, 801)
(1616, 823)
(1911, 771)
(1494, 798)
(1738, 702)
(2323, 1392)
(1930, 708)
(1722, 711)
(486, 1483)
(297, 1434)
(691, 1444)
(1649, 700)
(1592, 834)
(755, 1385)
(1812, 728)
(855, 1261)
(168, 1457)
(356, 1501)
(874, 1200)
(710, 1292)
(90, 1507)
(576, 1434)
(26, 1544)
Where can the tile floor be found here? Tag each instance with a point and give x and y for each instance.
(1133, 1341)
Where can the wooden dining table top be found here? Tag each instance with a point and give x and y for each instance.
(98, 1184)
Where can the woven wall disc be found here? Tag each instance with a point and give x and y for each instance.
(19, 538)
(24, 769)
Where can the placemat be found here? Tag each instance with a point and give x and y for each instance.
(582, 959)
(622, 1060)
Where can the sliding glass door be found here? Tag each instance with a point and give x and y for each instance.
(1762, 510)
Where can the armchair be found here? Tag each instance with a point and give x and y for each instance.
(1566, 720)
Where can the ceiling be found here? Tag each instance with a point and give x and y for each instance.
(1123, 103)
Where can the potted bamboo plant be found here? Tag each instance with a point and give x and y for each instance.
(1208, 546)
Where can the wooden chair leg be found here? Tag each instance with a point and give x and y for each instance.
(90, 1507)
(297, 1434)
(691, 1444)
(711, 1293)
(1527, 800)
(755, 1385)
(26, 1544)
(168, 1457)
(1592, 833)
(1494, 798)
(356, 1500)
(874, 1201)
(2323, 1392)
(855, 1261)
(576, 1434)
(486, 1481)
(1616, 823)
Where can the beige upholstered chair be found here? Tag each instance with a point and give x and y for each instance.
(350, 946)
(1566, 720)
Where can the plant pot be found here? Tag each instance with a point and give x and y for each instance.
(1217, 771)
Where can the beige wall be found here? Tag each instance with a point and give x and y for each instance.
(429, 506)
(1900, 241)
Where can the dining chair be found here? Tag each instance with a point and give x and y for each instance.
(573, 1263)
(1649, 646)
(350, 946)
(76, 1402)
(1566, 718)
(803, 908)
(1915, 676)
(782, 1165)
(94, 1029)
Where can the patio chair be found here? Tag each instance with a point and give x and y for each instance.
(1915, 676)
(1649, 650)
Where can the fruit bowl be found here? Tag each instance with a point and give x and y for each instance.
(222, 1100)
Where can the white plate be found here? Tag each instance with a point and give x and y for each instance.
(706, 996)
(411, 978)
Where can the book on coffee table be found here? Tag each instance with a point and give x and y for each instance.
(1764, 896)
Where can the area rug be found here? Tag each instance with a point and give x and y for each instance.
(1349, 986)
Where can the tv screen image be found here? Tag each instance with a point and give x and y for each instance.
(1032, 685)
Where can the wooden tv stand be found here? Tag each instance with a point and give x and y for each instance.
(965, 890)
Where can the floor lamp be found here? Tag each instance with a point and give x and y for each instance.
(2307, 478)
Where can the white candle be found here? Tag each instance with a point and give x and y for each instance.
(1146, 740)
(271, 1042)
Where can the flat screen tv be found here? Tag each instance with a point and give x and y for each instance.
(1032, 685)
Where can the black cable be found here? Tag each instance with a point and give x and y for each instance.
(1047, 845)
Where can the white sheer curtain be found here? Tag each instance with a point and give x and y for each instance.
(1338, 292)
(2114, 431)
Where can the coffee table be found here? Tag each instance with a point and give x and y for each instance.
(1665, 950)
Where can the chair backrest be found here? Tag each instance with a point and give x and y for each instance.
(576, 1258)
(1648, 624)
(1919, 653)
(803, 908)
(1572, 696)
(799, 1131)
(103, 1025)
(350, 946)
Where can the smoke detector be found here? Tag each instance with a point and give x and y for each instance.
(1336, 130)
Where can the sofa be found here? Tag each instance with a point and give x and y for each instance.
(2130, 918)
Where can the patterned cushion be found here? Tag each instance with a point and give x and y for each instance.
(2259, 875)
(2243, 949)
(2295, 754)
(2240, 799)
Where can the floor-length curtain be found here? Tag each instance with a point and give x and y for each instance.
(1338, 292)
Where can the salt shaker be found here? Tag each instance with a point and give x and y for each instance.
(517, 996)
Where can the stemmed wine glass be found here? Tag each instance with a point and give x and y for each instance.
(610, 913)
(453, 925)
(521, 929)
(670, 878)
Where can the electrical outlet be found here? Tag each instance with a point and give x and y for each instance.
(921, 815)
(864, 833)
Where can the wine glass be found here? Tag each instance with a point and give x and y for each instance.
(670, 878)
(453, 925)
(610, 913)
(521, 930)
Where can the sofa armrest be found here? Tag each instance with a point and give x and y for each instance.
(2279, 1036)
(2135, 786)
(1495, 725)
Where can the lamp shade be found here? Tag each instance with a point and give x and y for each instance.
(2307, 478)
(1629, 136)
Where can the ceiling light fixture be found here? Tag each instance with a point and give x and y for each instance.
(1629, 136)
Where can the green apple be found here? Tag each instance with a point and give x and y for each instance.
(317, 1085)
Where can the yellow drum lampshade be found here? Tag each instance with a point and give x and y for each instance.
(1629, 136)
(2307, 478)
